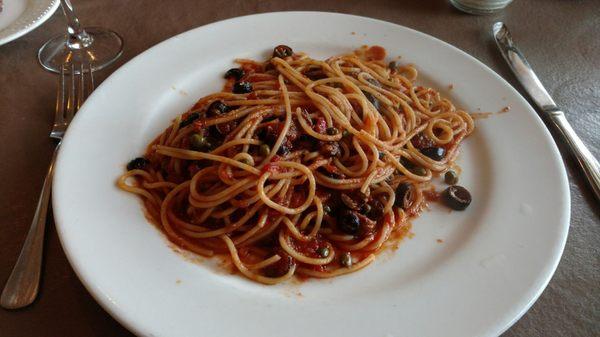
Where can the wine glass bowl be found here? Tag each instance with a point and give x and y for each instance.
(97, 46)
(101, 49)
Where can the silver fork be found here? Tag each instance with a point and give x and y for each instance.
(22, 286)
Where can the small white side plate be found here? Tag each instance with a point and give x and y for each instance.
(19, 17)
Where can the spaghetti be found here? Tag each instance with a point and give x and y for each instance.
(300, 166)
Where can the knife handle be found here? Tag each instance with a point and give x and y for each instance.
(585, 158)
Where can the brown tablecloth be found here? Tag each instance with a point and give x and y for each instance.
(560, 38)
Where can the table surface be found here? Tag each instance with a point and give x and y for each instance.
(560, 39)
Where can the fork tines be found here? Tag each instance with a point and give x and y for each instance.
(75, 83)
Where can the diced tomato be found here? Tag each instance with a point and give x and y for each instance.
(198, 105)
(421, 141)
(375, 53)
(273, 213)
(298, 198)
(271, 166)
(320, 125)
(308, 248)
(251, 68)
(193, 168)
(431, 195)
(199, 126)
(331, 168)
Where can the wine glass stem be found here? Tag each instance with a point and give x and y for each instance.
(78, 38)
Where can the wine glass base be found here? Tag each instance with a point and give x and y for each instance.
(106, 47)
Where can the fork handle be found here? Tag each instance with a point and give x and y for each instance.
(22, 286)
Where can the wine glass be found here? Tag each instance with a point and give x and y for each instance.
(96, 46)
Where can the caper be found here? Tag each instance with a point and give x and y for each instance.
(345, 133)
(332, 131)
(451, 178)
(264, 150)
(346, 260)
(418, 170)
(198, 142)
(323, 251)
(327, 209)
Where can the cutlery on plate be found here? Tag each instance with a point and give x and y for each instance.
(524, 73)
(74, 85)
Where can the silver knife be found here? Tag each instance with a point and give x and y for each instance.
(522, 70)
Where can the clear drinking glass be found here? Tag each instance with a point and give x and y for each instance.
(480, 6)
(96, 46)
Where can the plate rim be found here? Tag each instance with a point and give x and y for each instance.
(45, 15)
(549, 270)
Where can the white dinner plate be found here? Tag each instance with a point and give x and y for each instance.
(19, 17)
(494, 260)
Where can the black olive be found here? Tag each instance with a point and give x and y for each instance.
(332, 131)
(365, 209)
(315, 74)
(242, 87)
(216, 108)
(456, 197)
(283, 150)
(407, 163)
(374, 82)
(189, 119)
(381, 155)
(305, 138)
(235, 73)
(435, 153)
(348, 222)
(282, 51)
(392, 65)
(376, 210)
(372, 99)
(404, 194)
(280, 267)
(137, 164)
